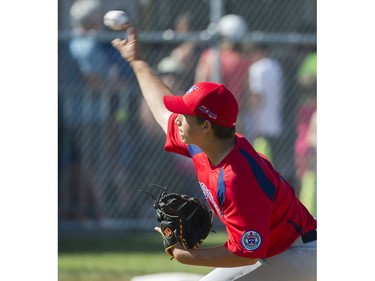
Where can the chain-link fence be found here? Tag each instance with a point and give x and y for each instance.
(109, 145)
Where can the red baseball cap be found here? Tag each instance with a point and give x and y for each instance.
(209, 100)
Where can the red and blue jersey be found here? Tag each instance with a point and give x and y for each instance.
(259, 208)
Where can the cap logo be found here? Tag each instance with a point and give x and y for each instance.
(208, 112)
(192, 88)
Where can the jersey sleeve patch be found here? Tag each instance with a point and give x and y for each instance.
(251, 240)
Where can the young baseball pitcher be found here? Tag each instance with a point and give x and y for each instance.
(271, 235)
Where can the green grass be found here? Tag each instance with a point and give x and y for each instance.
(104, 257)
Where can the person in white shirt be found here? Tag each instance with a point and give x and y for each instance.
(266, 86)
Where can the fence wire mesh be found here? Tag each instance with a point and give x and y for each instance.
(110, 147)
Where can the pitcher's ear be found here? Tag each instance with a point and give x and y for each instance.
(207, 125)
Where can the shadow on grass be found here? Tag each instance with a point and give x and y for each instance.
(109, 242)
(93, 242)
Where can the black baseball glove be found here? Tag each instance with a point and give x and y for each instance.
(183, 219)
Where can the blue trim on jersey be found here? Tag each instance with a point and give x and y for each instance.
(296, 226)
(194, 149)
(221, 188)
(262, 179)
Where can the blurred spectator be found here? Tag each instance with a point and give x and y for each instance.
(81, 197)
(307, 73)
(264, 124)
(304, 150)
(312, 137)
(96, 60)
(234, 64)
(308, 193)
(186, 53)
(182, 23)
(100, 108)
(170, 70)
(78, 194)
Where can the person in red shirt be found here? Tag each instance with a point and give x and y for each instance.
(231, 58)
(271, 235)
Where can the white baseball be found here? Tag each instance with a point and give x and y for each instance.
(116, 20)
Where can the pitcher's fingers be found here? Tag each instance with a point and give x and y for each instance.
(115, 42)
(132, 34)
(118, 42)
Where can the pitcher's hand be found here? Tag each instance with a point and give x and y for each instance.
(128, 48)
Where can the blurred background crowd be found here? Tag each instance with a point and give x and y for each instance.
(109, 145)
